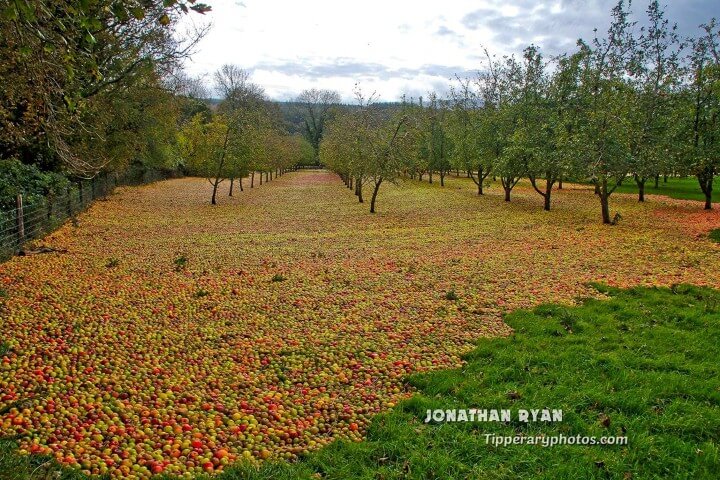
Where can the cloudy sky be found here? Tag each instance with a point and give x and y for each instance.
(397, 46)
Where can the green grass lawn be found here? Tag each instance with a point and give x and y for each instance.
(715, 235)
(643, 364)
(681, 188)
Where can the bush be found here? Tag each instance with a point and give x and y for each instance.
(17, 177)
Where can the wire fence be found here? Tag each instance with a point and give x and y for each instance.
(35, 217)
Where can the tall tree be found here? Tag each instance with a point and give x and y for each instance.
(59, 56)
(547, 106)
(464, 128)
(601, 137)
(703, 99)
(245, 108)
(436, 143)
(205, 148)
(500, 86)
(317, 107)
(654, 75)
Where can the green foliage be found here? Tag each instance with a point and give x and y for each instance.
(17, 177)
(640, 364)
(181, 262)
(464, 123)
(655, 75)
(435, 145)
(68, 67)
(317, 107)
(370, 145)
(714, 235)
(32, 467)
(697, 124)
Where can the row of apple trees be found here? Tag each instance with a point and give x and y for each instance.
(632, 105)
(243, 137)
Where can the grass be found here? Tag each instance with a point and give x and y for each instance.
(680, 188)
(642, 364)
(715, 235)
(35, 467)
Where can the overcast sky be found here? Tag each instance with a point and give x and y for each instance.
(397, 47)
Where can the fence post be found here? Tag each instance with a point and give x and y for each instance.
(69, 202)
(20, 219)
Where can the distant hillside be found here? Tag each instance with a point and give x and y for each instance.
(293, 112)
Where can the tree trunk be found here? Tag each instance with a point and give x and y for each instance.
(241, 185)
(442, 179)
(350, 182)
(548, 192)
(430, 175)
(641, 187)
(705, 178)
(420, 175)
(374, 195)
(665, 177)
(252, 179)
(213, 201)
(358, 187)
(604, 204)
(657, 181)
(507, 193)
(604, 201)
(232, 182)
(560, 180)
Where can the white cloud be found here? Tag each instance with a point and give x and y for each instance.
(291, 45)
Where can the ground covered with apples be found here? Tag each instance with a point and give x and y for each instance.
(168, 336)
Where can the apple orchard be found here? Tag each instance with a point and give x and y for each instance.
(173, 338)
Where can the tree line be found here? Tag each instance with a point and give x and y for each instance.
(92, 88)
(632, 105)
(243, 137)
